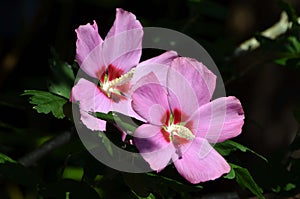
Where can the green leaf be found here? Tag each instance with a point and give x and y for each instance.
(62, 77)
(289, 187)
(114, 118)
(145, 184)
(225, 148)
(151, 196)
(74, 173)
(46, 102)
(5, 158)
(230, 175)
(244, 179)
(67, 195)
(106, 143)
(295, 45)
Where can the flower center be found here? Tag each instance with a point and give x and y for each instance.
(180, 131)
(115, 85)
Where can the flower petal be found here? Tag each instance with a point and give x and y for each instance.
(219, 120)
(88, 39)
(124, 107)
(91, 99)
(150, 100)
(201, 162)
(122, 46)
(181, 94)
(92, 122)
(153, 147)
(158, 65)
(194, 77)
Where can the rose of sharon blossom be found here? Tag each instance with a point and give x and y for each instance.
(182, 122)
(112, 62)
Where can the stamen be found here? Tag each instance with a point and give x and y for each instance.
(110, 86)
(180, 131)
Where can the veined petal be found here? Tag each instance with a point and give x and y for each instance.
(93, 64)
(150, 100)
(88, 39)
(91, 99)
(122, 46)
(181, 94)
(201, 80)
(158, 65)
(219, 120)
(201, 162)
(153, 146)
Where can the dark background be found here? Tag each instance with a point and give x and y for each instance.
(30, 28)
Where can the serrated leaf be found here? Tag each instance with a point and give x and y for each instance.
(225, 148)
(244, 179)
(5, 158)
(46, 102)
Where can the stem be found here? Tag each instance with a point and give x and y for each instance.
(32, 157)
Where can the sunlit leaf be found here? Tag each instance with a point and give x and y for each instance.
(74, 173)
(290, 11)
(5, 158)
(46, 102)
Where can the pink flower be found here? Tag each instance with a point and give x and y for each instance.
(182, 122)
(111, 62)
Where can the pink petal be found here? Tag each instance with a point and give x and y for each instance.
(153, 146)
(201, 162)
(158, 65)
(88, 39)
(92, 122)
(219, 120)
(150, 100)
(165, 58)
(124, 107)
(91, 99)
(122, 46)
(181, 94)
(201, 81)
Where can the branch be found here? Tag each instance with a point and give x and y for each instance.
(56, 142)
